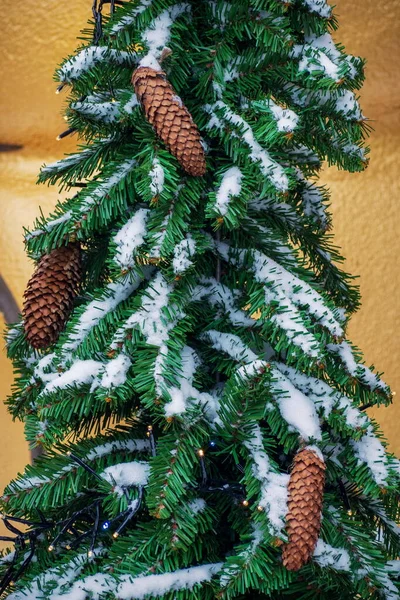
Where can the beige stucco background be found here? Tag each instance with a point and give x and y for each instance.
(37, 34)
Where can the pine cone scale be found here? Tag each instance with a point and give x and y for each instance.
(170, 119)
(303, 521)
(49, 296)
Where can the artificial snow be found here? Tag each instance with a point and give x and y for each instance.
(319, 53)
(231, 186)
(370, 451)
(107, 112)
(157, 177)
(286, 119)
(291, 293)
(128, 19)
(130, 237)
(115, 372)
(335, 558)
(365, 375)
(131, 104)
(128, 587)
(185, 394)
(313, 204)
(197, 506)
(157, 36)
(88, 57)
(269, 167)
(114, 293)
(132, 445)
(183, 253)
(225, 299)
(124, 475)
(296, 409)
(274, 492)
(50, 225)
(324, 397)
(319, 6)
(230, 344)
(105, 187)
(81, 372)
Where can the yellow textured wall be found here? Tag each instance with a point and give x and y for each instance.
(364, 205)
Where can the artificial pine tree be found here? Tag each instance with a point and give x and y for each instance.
(202, 413)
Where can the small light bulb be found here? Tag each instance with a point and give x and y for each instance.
(58, 138)
(260, 508)
(245, 502)
(149, 428)
(68, 547)
(106, 525)
(213, 444)
(201, 453)
(90, 553)
(350, 512)
(65, 117)
(69, 452)
(50, 548)
(115, 534)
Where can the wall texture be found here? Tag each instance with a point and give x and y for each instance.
(363, 205)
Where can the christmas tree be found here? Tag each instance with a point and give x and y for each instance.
(182, 358)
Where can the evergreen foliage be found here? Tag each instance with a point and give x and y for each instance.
(208, 343)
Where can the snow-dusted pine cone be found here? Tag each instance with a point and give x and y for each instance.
(170, 118)
(306, 494)
(49, 295)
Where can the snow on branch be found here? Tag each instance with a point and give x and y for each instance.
(225, 299)
(102, 190)
(183, 254)
(320, 54)
(157, 36)
(295, 407)
(129, 18)
(157, 177)
(342, 102)
(370, 451)
(126, 587)
(113, 294)
(320, 7)
(127, 474)
(107, 112)
(324, 397)
(274, 492)
(89, 372)
(219, 112)
(230, 344)
(233, 570)
(129, 238)
(230, 186)
(184, 394)
(52, 583)
(361, 372)
(88, 57)
(291, 293)
(286, 119)
(335, 558)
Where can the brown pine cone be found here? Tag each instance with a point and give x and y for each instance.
(170, 118)
(49, 295)
(303, 521)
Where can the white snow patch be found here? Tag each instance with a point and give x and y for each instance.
(157, 177)
(116, 371)
(230, 344)
(269, 167)
(231, 186)
(370, 450)
(319, 6)
(157, 36)
(90, 56)
(115, 293)
(296, 409)
(274, 492)
(335, 558)
(366, 376)
(286, 119)
(183, 253)
(130, 237)
(123, 475)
